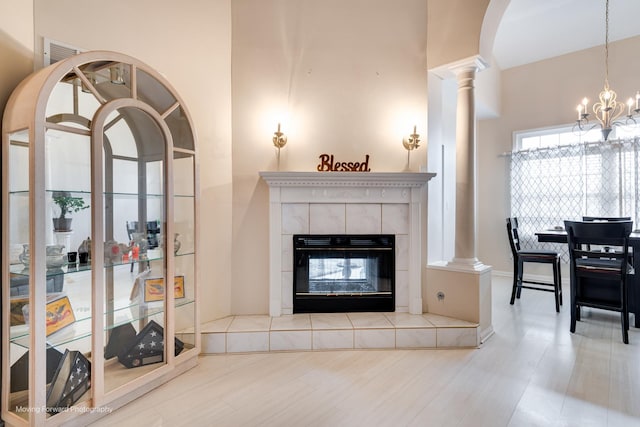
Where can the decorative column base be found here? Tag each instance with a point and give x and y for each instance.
(461, 290)
(466, 264)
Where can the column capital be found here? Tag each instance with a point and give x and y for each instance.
(473, 63)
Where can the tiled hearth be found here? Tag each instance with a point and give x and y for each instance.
(336, 331)
(343, 203)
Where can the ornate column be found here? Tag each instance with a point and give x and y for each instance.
(461, 288)
(465, 238)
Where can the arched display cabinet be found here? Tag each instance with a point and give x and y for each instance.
(87, 324)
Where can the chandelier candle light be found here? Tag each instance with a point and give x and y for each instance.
(608, 109)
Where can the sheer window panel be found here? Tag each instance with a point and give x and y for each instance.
(569, 181)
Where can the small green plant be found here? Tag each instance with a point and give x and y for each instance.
(68, 204)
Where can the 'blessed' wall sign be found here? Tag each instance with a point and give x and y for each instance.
(328, 165)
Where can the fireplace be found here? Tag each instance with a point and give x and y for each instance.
(343, 273)
(347, 203)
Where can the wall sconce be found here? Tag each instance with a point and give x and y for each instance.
(279, 141)
(411, 143)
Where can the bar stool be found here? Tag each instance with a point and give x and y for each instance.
(521, 256)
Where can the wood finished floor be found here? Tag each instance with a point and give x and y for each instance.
(532, 372)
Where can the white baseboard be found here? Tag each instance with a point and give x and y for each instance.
(534, 277)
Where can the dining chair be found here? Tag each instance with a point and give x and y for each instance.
(132, 227)
(153, 230)
(599, 279)
(522, 256)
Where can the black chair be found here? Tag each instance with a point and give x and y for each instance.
(132, 227)
(599, 279)
(153, 229)
(520, 256)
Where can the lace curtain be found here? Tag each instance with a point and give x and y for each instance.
(550, 185)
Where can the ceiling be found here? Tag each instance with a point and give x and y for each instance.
(532, 30)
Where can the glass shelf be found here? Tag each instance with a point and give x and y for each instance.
(81, 328)
(151, 255)
(88, 194)
(22, 271)
(185, 254)
(72, 192)
(134, 195)
(146, 310)
(154, 257)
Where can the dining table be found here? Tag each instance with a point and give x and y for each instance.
(559, 235)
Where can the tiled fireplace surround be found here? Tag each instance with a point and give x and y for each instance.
(342, 203)
(345, 203)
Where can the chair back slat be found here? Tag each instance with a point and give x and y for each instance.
(605, 218)
(599, 254)
(613, 233)
(514, 239)
(583, 236)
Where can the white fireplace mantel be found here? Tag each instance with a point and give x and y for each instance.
(347, 179)
(347, 203)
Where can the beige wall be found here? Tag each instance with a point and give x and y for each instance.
(454, 29)
(352, 75)
(191, 47)
(541, 94)
(16, 46)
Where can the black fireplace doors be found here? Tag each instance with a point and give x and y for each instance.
(343, 273)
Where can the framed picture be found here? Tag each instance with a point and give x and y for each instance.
(59, 314)
(17, 311)
(154, 289)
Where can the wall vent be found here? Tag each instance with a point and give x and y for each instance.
(55, 51)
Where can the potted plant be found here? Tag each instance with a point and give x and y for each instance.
(67, 204)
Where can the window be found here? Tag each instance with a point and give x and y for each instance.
(557, 175)
(553, 137)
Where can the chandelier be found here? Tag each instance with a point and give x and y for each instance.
(608, 110)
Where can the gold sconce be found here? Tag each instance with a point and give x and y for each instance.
(279, 141)
(411, 143)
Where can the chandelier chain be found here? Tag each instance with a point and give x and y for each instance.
(606, 46)
(607, 109)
